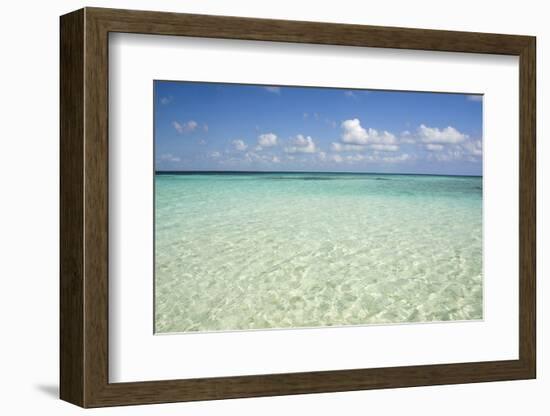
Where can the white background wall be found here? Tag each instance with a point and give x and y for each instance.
(29, 206)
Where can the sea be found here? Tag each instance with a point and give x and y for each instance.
(241, 251)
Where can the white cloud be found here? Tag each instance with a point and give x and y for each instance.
(169, 157)
(354, 133)
(205, 127)
(301, 144)
(445, 136)
(475, 97)
(406, 137)
(214, 155)
(395, 159)
(454, 153)
(474, 148)
(185, 127)
(259, 158)
(165, 100)
(274, 90)
(373, 157)
(355, 157)
(339, 147)
(179, 127)
(267, 140)
(324, 157)
(385, 147)
(191, 125)
(350, 94)
(239, 145)
(469, 151)
(434, 147)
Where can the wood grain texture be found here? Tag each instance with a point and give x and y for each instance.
(84, 207)
(96, 208)
(225, 27)
(527, 207)
(71, 208)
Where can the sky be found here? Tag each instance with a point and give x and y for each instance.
(238, 127)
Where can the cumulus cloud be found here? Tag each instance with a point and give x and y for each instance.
(407, 137)
(274, 90)
(169, 157)
(470, 151)
(301, 144)
(434, 147)
(385, 147)
(340, 147)
(474, 148)
(327, 157)
(354, 133)
(448, 135)
(450, 154)
(178, 126)
(395, 159)
(378, 158)
(239, 145)
(251, 156)
(355, 157)
(186, 127)
(267, 140)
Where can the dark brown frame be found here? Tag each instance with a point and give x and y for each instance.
(84, 207)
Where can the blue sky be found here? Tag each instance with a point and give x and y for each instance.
(216, 126)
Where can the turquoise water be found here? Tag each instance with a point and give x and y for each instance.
(281, 250)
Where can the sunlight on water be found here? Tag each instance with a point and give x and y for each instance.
(257, 251)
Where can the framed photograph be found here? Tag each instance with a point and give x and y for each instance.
(257, 207)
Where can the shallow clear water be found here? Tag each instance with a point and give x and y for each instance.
(281, 250)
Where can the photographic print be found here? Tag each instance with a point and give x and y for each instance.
(281, 207)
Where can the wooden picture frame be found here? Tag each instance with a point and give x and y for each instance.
(84, 207)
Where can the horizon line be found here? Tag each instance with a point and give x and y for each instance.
(304, 171)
